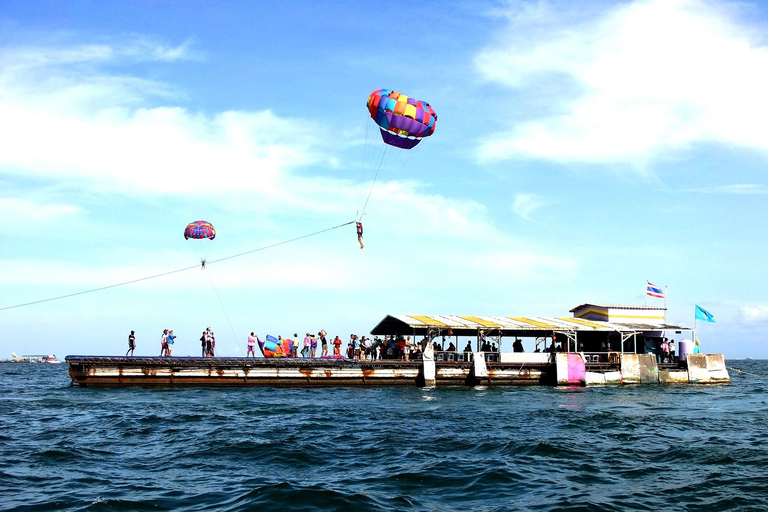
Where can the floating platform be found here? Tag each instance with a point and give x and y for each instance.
(505, 369)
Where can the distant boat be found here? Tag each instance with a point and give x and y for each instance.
(45, 358)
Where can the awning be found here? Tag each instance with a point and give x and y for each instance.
(522, 326)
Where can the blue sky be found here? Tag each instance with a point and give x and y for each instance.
(581, 149)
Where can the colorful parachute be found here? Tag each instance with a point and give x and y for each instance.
(274, 347)
(199, 230)
(403, 121)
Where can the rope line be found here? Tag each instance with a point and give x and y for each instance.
(362, 212)
(223, 309)
(174, 271)
(747, 373)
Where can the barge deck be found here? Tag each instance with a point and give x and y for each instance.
(571, 369)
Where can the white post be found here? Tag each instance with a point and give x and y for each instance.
(428, 365)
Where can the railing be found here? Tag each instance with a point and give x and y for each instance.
(466, 357)
(453, 356)
(602, 357)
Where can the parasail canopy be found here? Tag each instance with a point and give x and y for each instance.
(199, 230)
(403, 121)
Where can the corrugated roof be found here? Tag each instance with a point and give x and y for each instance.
(466, 324)
(617, 306)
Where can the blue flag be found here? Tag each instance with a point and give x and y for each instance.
(703, 314)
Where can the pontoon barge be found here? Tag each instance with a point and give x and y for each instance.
(602, 344)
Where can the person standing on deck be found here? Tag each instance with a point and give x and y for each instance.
(208, 342)
(171, 337)
(671, 351)
(312, 346)
(204, 343)
(251, 345)
(337, 346)
(323, 342)
(131, 344)
(164, 343)
(305, 348)
(355, 346)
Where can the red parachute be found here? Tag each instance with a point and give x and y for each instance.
(199, 230)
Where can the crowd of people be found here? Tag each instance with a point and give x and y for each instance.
(363, 348)
(357, 347)
(208, 343)
(167, 338)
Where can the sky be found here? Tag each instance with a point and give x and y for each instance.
(581, 150)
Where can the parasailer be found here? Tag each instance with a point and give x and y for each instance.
(359, 226)
(403, 121)
(200, 230)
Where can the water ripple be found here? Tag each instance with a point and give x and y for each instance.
(488, 449)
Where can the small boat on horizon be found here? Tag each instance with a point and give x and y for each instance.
(44, 358)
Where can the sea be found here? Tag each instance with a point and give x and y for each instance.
(675, 447)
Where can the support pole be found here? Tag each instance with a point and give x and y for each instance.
(428, 365)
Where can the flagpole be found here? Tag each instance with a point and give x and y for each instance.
(694, 324)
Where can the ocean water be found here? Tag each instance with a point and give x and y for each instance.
(534, 448)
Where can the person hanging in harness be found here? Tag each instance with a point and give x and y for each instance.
(360, 233)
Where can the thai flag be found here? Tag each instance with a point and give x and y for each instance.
(654, 291)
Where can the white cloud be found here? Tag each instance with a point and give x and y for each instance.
(62, 121)
(756, 314)
(158, 150)
(507, 265)
(525, 204)
(738, 189)
(17, 210)
(17, 59)
(638, 79)
(36, 214)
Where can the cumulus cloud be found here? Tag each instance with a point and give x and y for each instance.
(756, 314)
(525, 204)
(630, 82)
(65, 118)
(167, 150)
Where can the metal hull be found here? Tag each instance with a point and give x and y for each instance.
(565, 369)
(96, 371)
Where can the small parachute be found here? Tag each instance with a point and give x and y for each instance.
(200, 230)
(274, 347)
(403, 121)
